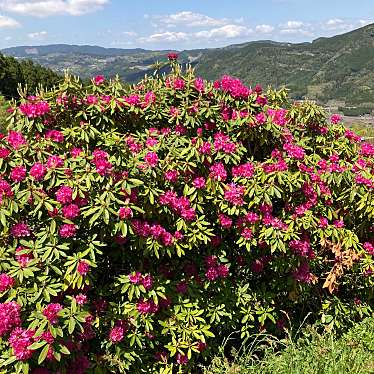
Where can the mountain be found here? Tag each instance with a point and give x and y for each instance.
(339, 69)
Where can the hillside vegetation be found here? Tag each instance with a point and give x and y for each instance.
(26, 73)
(353, 353)
(340, 68)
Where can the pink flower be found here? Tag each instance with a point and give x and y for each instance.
(54, 162)
(151, 159)
(225, 221)
(245, 170)
(135, 278)
(64, 195)
(247, 233)
(199, 183)
(20, 230)
(23, 259)
(6, 282)
(16, 139)
(38, 171)
(4, 152)
(182, 359)
(323, 222)
(83, 267)
(199, 85)
(36, 109)
(234, 194)
(116, 334)
(98, 80)
(179, 84)
(10, 317)
(172, 56)
(20, 339)
(71, 211)
(55, 135)
(81, 299)
(18, 174)
(51, 312)
(218, 172)
(147, 282)
(171, 176)
(76, 152)
(335, 119)
(146, 307)
(302, 273)
(67, 230)
(125, 213)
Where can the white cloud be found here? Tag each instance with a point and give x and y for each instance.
(224, 32)
(165, 37)
(45, 8)
(293, 25)
(37, 35)
(264, 29)
(188, 19)
(8, 23)
(130, 34)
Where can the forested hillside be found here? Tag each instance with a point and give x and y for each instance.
(26, 73)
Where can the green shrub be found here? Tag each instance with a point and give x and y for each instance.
(141, 225)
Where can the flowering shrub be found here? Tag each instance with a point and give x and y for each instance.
(140, 226)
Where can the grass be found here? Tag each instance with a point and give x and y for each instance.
(314, 353)
(365, 131)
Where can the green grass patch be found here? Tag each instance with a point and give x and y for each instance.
(313, 353)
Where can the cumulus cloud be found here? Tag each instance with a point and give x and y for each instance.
(264, 29)
(8, 23)
(45, 8)
(224, 32)
(37, 35)
(187, 19)
(168, 36)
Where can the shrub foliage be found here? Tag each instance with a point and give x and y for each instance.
(141, 225)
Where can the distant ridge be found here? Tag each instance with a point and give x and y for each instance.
(338, 68)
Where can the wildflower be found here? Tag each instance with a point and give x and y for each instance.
(125, 213)
(10, 317)
(151, 159)
(51, 312)
(64, 195)
(116, 334)
(335, 119)
(98, 80)
(172, 56)
(18, 174)
(71, 211)
(20, 230)
(6, 282)
(38, 171)
(67, 230)
(20, 339)
(83, 267)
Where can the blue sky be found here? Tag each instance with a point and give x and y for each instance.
(176, 24)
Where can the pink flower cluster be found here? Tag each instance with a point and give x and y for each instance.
(278, 116)
(20, 339)
(180, 205)
(20, 230)
(302, 248)
(234, 194)
(146, 307)
(145, 280)
(101, 162)
(51, 312)
(35, 109)
(16, 139)
(234, 87)
(218, 172)
(215, 270)
(222, 143)
(10, 317)
(245, 170)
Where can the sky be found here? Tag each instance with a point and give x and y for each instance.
(176, 24)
